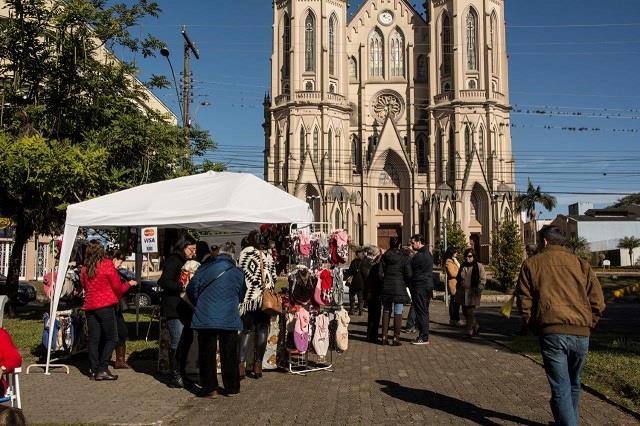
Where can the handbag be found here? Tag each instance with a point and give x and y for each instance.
(271, 303)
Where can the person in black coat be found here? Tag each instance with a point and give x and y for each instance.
(173, 307)
(356, 284)
(373, 284)
(395, 272)
(421, 287)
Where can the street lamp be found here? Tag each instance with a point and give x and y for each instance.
(164, 51)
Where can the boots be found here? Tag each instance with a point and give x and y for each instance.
(175, 379)
(385, 326)
(257, 369)
(397, 329)
(121, 351)
(242, 371)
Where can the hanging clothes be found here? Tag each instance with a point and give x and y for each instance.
(337, 291)
(301, 286)
(304, 244)
(342, 332)
(323, 247)
(321, 335)
(301, 330)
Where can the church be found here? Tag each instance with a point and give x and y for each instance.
(392, 122)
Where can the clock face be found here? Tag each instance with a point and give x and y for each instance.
(386, 17)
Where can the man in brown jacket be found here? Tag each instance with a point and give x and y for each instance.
(561, 299)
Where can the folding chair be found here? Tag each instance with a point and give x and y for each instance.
(12, 394)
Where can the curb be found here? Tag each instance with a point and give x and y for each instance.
(586, 387)
(485, 298)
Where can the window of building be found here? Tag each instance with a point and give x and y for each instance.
(421, 151)
(472, 40)
(332, 88)
(396, 58)
(337, 219)
(308, 86)
(447, 46)
(286, 46)
(398, 200)
(452, 155)
(393, 201)
(316, 146)
(421, 71)
(468, 142)
(353, 68)
(379, 201)
(386, 201)
(493, 42)
(472, 84)
(481, 143)
(330, 151)
(332, 45)
(309, 42)
(303, 143)
(446, 88)
(376, 54)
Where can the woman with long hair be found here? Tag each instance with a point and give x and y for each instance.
(103, 289)
(117, 257)
(174, 308)
(452, 267)
(259, 271)
(471, 280)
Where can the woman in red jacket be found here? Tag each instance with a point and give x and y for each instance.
(103, 289)
(10, 358)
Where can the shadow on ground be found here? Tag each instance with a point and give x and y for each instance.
(450, 405)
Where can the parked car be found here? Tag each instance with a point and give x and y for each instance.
(26, 292)
(148, 293)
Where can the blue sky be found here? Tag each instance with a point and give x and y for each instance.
(572, 64)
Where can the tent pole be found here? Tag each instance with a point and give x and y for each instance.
(138, 274)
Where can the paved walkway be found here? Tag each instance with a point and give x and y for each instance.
(452, 381)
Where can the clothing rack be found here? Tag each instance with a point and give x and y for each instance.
(298, 363)
(321, 226)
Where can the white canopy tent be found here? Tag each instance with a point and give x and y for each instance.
(212, 200)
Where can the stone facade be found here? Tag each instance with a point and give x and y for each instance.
(392, 122)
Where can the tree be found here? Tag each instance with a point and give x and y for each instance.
(74, 119)
(629, 243)
(627, 201)
(455, 238)
(508, 254)
(580, 247)
(527, 202)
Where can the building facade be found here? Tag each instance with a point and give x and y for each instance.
(392, 122)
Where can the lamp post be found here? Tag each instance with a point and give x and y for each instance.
(165, 52)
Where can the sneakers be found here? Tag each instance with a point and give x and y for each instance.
(420, 341)
(409, 330)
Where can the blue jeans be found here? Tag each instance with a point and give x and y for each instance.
(564, 357)
(175, 327)
(397, 308)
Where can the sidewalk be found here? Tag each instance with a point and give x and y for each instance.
(452, 381)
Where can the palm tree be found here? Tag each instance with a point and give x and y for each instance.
(629, 243)
(579, 246)
(527, 202)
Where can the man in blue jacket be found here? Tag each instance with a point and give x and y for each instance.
(216, 290)
(421, 287)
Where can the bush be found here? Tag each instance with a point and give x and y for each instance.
(507, 254)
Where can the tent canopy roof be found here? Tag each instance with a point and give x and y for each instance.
(205, 201)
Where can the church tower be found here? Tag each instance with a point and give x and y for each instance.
(392, 123)
(306, 145)
(469, 117)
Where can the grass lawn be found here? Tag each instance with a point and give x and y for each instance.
(26, 331)
(612, 368)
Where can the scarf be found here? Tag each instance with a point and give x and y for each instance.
(249, 262)
(326, 284)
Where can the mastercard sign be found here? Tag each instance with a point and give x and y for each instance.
(149, 240)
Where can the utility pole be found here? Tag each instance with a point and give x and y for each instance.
(189, 47)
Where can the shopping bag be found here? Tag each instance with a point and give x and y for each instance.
(506, 308)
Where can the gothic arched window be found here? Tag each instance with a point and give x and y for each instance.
(303, 143)
(330, 151)
(286, 47)
(386, 201)
(422, 154)
(421, 71)
(379, 201)
(376, 54)
(316, 146)
(440, 155)
(447, 46)
(337, 219)
(396, 57)
(393, 201)
(310, 43)
(472, 40)
(452, 155)
(353, 68)
(493, 42)
(468, 142)
(332, 45)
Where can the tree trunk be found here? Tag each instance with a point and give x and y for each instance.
(631, 256)
(22, 234)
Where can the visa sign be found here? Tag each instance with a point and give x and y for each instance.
(149, 240)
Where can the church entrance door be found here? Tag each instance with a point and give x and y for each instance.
(386, 231)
